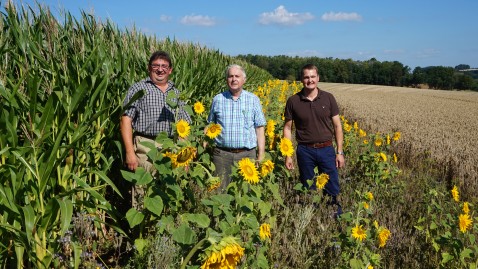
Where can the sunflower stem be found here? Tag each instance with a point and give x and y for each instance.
(191, 253)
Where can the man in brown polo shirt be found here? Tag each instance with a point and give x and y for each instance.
(316, 118)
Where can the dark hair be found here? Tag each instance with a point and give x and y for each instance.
(160, 55)
(309, 67)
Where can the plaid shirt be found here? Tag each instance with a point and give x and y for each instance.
(150, 113)
(238, 119)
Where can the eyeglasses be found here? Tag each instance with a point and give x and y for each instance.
(158, 66)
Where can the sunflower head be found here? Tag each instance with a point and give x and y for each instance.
(248, 170)
(396, 136)
(321, 180)
(185, 156)
(265, 231)
(464, 222)
(199, 108)
(225, 254)
(369, 196)
(213, 183)
(466, 208)
(213, 130)
(183, 128)
(383, 235)
(359, 233)
(362, 133)
(266, 168)
(378, 141)
(270, 128)
(455, 194)
(286, 147)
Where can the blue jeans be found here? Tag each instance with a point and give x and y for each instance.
(324, 159)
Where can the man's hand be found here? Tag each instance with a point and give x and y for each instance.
(288, 163)
(339, 161)
(131, 161)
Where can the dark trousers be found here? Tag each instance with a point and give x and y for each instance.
(324, 159)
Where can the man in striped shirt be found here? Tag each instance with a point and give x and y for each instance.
(240, 115)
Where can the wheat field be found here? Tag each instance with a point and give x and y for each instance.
(442, 124)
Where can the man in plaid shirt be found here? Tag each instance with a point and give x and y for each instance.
(240, 115)
(150, 114)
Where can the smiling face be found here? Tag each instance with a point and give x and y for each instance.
(235, 80)
(310, 78)
(159, 71)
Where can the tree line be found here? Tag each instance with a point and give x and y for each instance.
(371, 72)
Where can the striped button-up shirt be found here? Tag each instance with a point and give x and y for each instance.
(238, 119)
(151, 114)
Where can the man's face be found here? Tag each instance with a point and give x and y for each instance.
(235, 79)
(159, 71)
(310, 78)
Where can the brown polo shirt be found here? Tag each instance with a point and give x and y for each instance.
(312, 119)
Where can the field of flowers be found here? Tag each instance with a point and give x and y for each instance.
(64, 192)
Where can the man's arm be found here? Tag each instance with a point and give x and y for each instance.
(287, 133)
(127, 134)
(261, 143)
(339, 138)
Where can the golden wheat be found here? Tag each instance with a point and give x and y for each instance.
(443, 123)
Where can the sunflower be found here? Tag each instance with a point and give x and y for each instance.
(248, 171)
(464, 222)
(365, 205)
(321, 180)
(383, 235)
(362, 133)
(396, 136)
(388, 140)
(213, 130)
(172, 156)
(358, 232)
(185, 156)
(369, 196)
(455, 194)
(286, 147)
(356, 126)
(466, 208)
(265, 231)
(365, 142)
(183, 128)
(378, 141)
(213, 183)
(225, 254)
(383, 156)
(199, 108)
(395, 158)
(266, 168)
(270, 128)
(347, 127)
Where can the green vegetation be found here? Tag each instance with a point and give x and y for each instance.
(370, 72)
(64, 198)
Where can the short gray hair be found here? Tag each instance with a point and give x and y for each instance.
(235, 66)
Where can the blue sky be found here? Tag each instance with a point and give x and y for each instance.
(413, 32)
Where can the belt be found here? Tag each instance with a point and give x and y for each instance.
(145, 136)
(234, 150)
(318, 145)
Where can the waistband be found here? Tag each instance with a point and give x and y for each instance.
(145, 136)
(235, 150)
(317, 145)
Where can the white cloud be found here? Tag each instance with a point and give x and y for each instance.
(165, 18)
(341, 16)
(198, 20)
(281, 16)
(394, 52)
